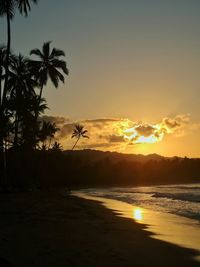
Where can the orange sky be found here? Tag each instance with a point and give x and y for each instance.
(128, 60)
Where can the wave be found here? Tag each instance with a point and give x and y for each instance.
(181, 199)
(189, 187)
(178, 196)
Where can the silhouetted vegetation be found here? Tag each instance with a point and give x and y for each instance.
(57, 168)
(78, 133)
(22, 80)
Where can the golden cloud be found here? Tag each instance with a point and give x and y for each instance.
(118, 133)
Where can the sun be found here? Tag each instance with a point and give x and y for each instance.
(144, 134)
(147, 139)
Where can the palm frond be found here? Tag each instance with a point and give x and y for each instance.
(60, 64)
(7, 7)
(55, 53)
(46, 49)
(36, 52)
(24, 6)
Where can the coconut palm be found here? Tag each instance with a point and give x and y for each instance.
(20, 77)
(21, 87)
(36, 107)
(8, 8)
(78, 133)
(48, 130)
(52, 130)
(2, 67)
(49, 65)
(56, 147)
(24, 6)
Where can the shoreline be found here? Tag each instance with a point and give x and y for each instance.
(50, 229)
(185, 230)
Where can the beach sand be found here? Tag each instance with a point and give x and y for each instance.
(50, 229)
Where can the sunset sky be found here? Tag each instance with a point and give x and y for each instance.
(134, 71)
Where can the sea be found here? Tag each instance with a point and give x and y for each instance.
(182, 199)
(170, 212)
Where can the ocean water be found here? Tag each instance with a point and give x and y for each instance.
(183, 200)
(170, 212)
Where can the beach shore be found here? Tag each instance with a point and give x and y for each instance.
(51, 229)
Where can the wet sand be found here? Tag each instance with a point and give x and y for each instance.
(172, 228)
(51, 229)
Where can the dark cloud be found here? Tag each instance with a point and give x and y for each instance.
(112, 138)
(66, 130)
(145, 130)
(171, 123)
(177, 121)
(115, 138)
(55, 119)
(99, 123)
(103, 120)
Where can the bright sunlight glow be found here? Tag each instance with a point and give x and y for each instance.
(138, 214)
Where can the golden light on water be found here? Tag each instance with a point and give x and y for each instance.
(138, 214)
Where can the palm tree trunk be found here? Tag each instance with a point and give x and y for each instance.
(4, 167)
(75, 143)
(40, 95)
(7, 59)
(3, 100)
(49, 142)
(37, 111)
(39, 99)
(0, 89)
(16, 131)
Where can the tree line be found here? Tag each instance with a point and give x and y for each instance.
(55, 168)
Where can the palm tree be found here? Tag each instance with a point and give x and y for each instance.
(21, 81)
(56, 147)
(48, 66)
(48, 130)
(21, 87)
(24, 6)
(2, 67)
(8, 8)
(78, 133)
(52, 130)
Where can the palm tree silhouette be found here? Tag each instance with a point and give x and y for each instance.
(7, 8)
(78, 133)
(56, 147)
(20, 86)
(48, 130)
(2, 72)
(48, 66)
(2, 67)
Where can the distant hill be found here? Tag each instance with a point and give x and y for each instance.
(96, 155)
(98, 168)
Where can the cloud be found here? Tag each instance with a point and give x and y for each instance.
(119, 133)
(66, 130)
(116, 138)
(176, 125)
(145, 129)
(55, 119)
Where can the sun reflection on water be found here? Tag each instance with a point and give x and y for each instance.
(138, 214)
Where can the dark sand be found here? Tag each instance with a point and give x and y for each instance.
(48, 229)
